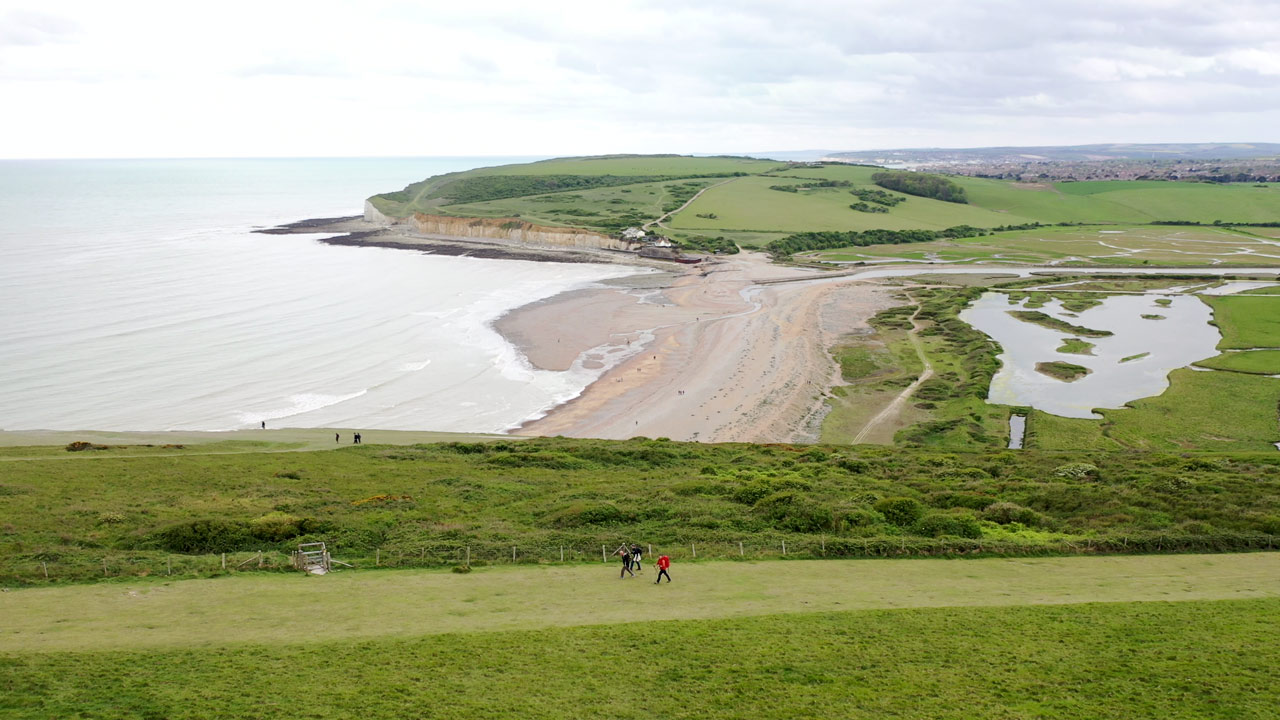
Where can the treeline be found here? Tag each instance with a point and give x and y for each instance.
(921, 184)
(826, 240)
(811, 185)
(701, 243)
(480, 188)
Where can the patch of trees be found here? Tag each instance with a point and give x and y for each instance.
(811, 185)
(701, 243)
(878, 197)
(829, 239)
(868, 208)
(921, 184)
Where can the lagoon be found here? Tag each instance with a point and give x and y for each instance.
(1181, 338)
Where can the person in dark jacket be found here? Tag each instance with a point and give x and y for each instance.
(625, 553)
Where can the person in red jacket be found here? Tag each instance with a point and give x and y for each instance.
(664, 563)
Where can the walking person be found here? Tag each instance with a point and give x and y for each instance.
(625, 554)
(664, 564)
(264, 424)
(635, 558)
(337, 437)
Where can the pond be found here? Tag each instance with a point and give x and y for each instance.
(1132, 363)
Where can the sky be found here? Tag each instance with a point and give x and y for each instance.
(277, 78)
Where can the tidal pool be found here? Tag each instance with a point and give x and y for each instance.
(1183, 337)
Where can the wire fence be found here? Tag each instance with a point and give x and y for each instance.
(40, 568)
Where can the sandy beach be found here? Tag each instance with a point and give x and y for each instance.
(722, 357)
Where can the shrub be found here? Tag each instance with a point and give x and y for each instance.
(1077, 471)
(204, 536)
(80, 445)
(862, 517)
(852, 465)
(788, 510)
(1170, 484)
(278, 526)
(291, 474)
(581, 514)
(462, 569)
(973, 501)
(1007, 512)
(111, 518)
(900, 511)
(939, 524)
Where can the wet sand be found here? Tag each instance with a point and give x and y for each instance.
(723, 359)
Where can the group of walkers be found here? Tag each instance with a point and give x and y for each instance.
(631, 557)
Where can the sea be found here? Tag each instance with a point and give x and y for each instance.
(135, 296)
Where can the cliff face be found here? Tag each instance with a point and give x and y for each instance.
(510, 229)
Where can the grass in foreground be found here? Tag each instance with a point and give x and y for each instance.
(1140, 660)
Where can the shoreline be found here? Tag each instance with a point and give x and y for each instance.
(355, 231)
(724, 359)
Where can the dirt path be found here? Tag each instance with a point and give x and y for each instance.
(895, 407)
(687, 203)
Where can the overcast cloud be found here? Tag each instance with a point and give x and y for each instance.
(142, 79)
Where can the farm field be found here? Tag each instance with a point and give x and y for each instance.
(975, 639)
(1129, 246)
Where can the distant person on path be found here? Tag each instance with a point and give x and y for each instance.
(664, 564)
(337, 437)
(356, 438)
(625, 554)
(264, 424)
(635, 557)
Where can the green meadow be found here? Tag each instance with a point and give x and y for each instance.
(1175, 636)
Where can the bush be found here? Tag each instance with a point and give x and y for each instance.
(1077, 471)
(900, 511)
(279, 526)
(578, 515)
(462, 569)
(939, 524)
(862, 517)
(788, 510)
(1004, 513)
(204, 536)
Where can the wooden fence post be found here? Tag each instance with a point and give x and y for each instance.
(224, 561)
(650, 549)
(513, 553)
(695, 549)
(45, 567)
(823, 539)
(603, 556)
(784, 548)
(468, 556)
(104, 567)
(377, 557)
(740, 552)
(168, 564)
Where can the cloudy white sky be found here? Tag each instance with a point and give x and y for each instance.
(318, 78)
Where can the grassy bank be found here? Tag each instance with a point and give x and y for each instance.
(426, 503)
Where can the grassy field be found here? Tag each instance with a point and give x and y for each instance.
(1246, 321)
(1256, 362)
(1129, 246)
(965, 639)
